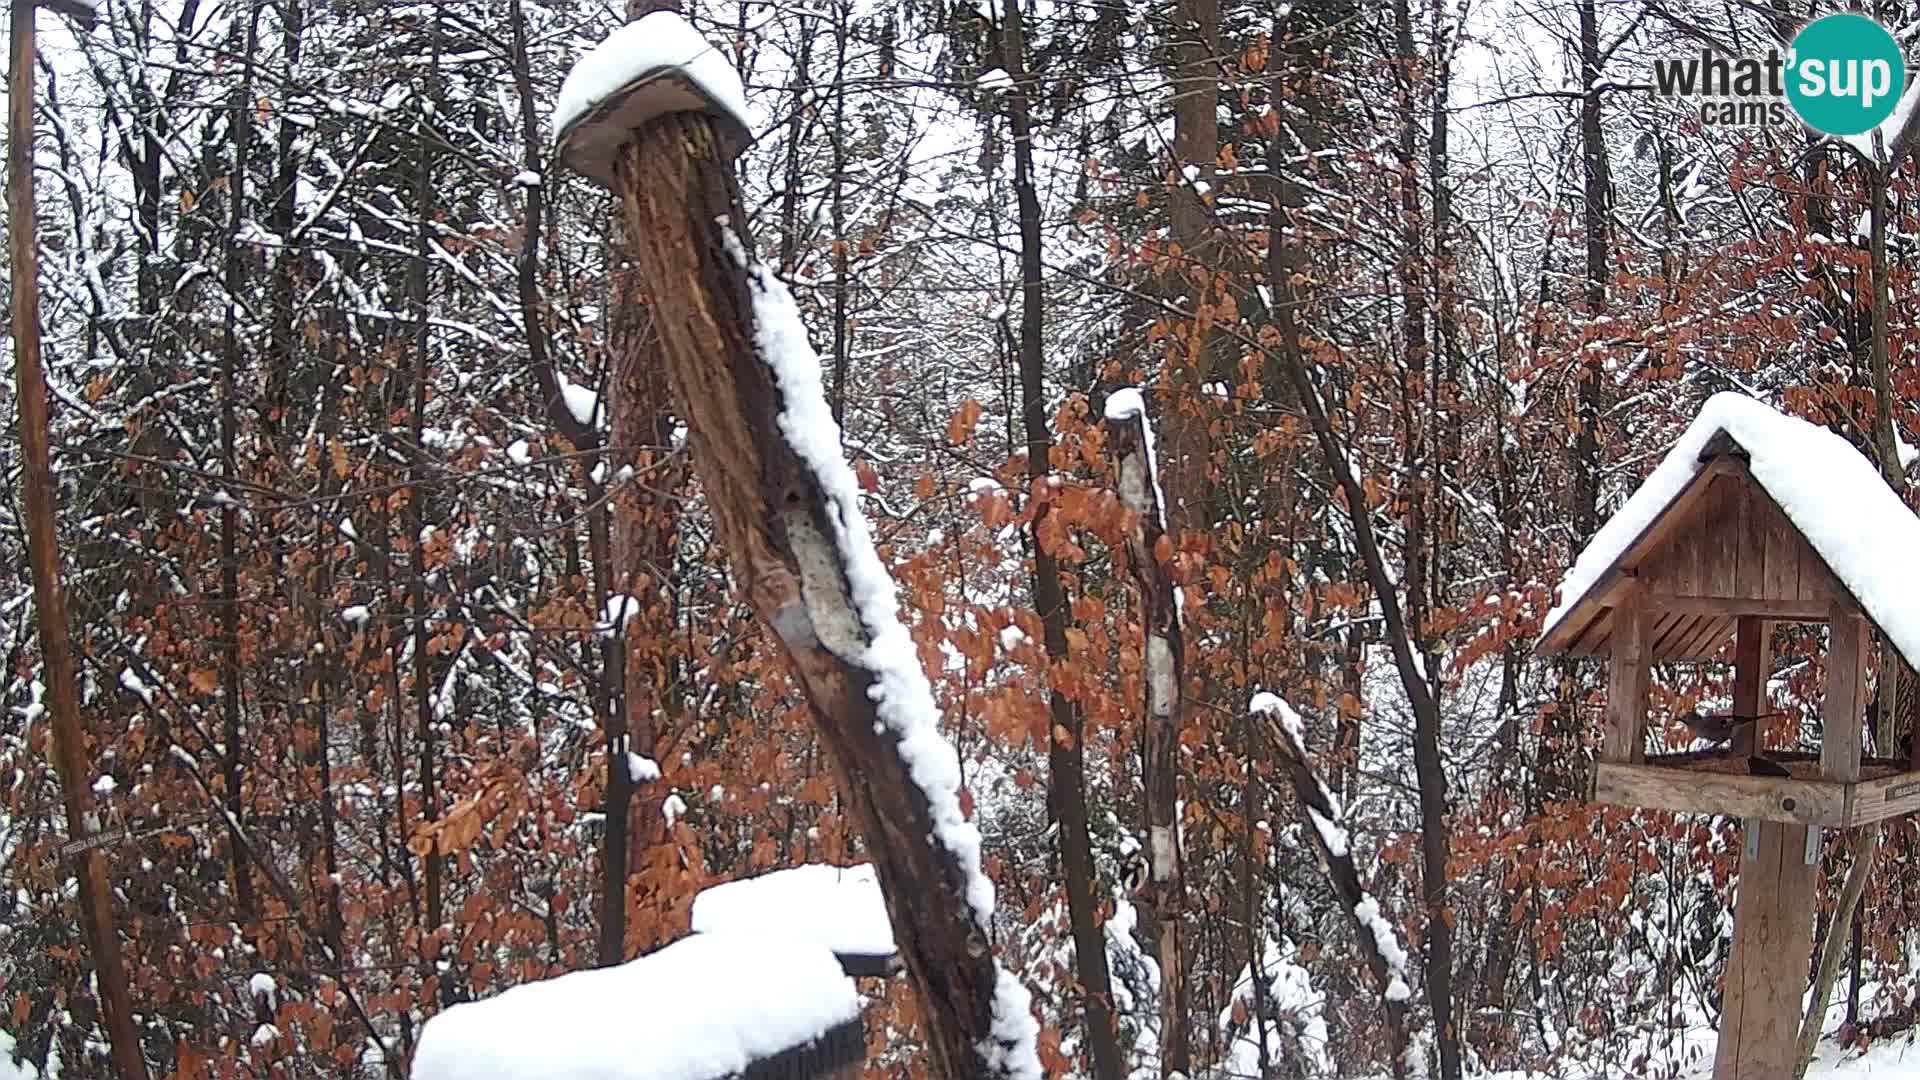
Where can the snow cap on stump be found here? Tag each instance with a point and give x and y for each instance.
(840, 907)
(644, 70)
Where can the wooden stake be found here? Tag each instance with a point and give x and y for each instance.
(1627, 683)
(1767, 971)
(1751, 662)
(43, 552)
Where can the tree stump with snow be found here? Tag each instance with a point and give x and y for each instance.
(786, 507)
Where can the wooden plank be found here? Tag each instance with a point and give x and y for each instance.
(1815, 578)
(1627, 684)
(1877, 800)
(1799, 802)
(1791, 609)
(1750, 566)
(1841, 712)
(1783, 553)
(1706, 640)
(1657, 532)
(1587, 642)
(1720, 555)
(1666, 633)
(1751, 666)
(1772, 943)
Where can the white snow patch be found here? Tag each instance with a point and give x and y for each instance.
(526, 178)
(128, 679)
(642, 770)
(519, 452)
(1125, 404)
(673, 808)
(357, 615)
(619, 610)
(994, 79)
(105, 785)
(707, 1005)
(1829, 492)
(838, 907)
(581, 402)
(1388, 942)
(660, 40)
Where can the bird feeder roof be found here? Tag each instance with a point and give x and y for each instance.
(1752, 512)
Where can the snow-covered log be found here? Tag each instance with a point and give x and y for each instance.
(1385, 955)
(786, 505)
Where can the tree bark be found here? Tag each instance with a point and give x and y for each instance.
(676, 188)
(98, 925)
(1148, 551)
(1066, 757)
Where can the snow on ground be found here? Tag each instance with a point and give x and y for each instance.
(9, 1069)
(660, 40)
(705, 1006)
(1829, 492)
(838, 907)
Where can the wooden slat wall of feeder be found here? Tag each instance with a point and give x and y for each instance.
(1722, 562)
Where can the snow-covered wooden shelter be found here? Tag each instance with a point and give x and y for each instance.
(707, 1007)
(1753, 518)
(763, 990)
(840, 907)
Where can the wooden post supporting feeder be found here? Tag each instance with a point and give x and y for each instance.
(1754, 519)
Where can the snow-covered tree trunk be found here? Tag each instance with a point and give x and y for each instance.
(1149, 559)
(785, 505)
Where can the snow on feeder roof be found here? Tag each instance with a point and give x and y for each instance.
(705, 1007)
(840, 908)
(646, 69)
(1828, 528)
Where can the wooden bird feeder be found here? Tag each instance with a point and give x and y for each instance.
(590, 144)
(1693, 561)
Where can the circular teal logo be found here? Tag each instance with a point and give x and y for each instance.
(1845, 74)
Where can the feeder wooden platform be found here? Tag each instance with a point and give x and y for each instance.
(1719, 783)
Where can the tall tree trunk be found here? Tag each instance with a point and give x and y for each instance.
(793, 541)
(419, 282)
(98, 924)
(1066, 760)
(246, 913)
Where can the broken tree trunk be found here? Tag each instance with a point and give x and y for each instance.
(780, 497)
(1149, 553)
(43, 552)
(1328, 820)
